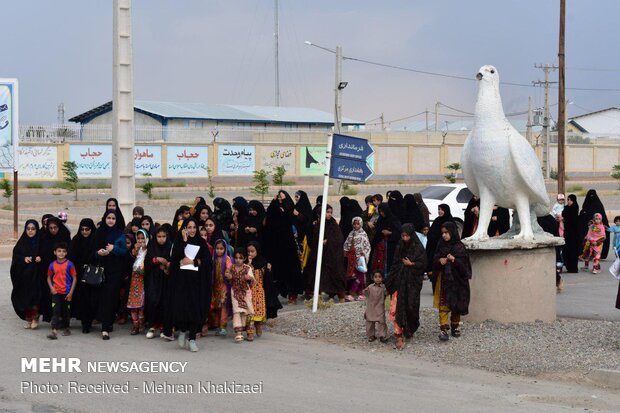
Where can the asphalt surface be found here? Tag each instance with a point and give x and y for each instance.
(293, 374)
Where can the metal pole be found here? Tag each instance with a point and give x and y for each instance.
(436, 115)
(276, 33)
(319, 257)
(15, 205)
(528, 134)
(561, 99)
(546, 125)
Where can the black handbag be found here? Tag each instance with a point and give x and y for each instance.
(93, 275)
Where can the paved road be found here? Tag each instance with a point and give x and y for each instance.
(296, 375)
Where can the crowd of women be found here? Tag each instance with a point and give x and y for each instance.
(209, 265)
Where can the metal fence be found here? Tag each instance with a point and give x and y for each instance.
(153, 134)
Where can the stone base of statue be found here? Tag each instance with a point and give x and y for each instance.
(513, 281)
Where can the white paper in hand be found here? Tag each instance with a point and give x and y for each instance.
(190, 252)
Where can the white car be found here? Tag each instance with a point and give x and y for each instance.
(456, 196)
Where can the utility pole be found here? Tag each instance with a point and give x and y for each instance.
(528, 134)
(426, 113)
(547, 70)
(561, 99)
(338, 91)
(382, 122)
(123, 179)
(436, 115)
(276, 33)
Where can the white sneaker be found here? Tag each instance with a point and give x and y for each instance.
(150, 333)
(182, 340)
(165, 337)
(193, 347)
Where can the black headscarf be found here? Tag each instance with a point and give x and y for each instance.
(272, 303)
(593, 205)
(216, 234)
(27, 279)
(256, 221)
(397, 205)
(303, 219)
(79, 250)
(199, 209)
(120, 220)
(107, 235)
(423, 208)
(349, 209)
(222, 213)
(502, 224)
(571, 249)
(455, 275)
(434, 235)
(151, 230)
(412, 213)
(471, 220)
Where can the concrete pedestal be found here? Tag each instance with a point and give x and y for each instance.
(513, 281)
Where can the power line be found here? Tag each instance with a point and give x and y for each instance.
(444, 75)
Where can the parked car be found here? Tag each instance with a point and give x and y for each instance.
(456, 196)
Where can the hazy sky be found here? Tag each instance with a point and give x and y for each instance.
(222, 52)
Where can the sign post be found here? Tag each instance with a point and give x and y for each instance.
(346, 158)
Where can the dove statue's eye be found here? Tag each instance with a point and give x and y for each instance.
(492, 71)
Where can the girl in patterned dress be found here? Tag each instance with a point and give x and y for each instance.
(135, 300)
(220, 299)
(593, 246)
(259, 265)
(241, 278)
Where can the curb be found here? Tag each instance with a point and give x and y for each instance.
(605, 378)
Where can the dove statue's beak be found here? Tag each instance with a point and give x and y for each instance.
(479, 76)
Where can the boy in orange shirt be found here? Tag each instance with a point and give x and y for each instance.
(61, 280)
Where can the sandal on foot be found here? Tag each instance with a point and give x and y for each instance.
(371, 339)
(443, 335)
(383, 339)
(52, 336)
(239, 338)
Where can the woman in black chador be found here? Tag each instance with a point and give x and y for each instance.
(86, 296)
(26, 275)
(281, 248)
(109, 250)
(592, 205)
(192, 289)
(572, 247)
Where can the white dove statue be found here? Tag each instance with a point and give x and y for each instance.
(500, 166)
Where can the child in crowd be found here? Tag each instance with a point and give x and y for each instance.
(356, 249)
(135, 299)
(218, 316)
(259, 265)
(375, 308)
(594, 244)
(240, 277)
(615, 229)
(423, 234)
(61, 275)
(452, 272)
(157, 291)
(556, 211)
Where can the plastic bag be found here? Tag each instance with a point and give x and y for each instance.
(615, 269)
(361, 264)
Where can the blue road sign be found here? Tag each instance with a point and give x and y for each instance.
(350, 169)
(351, 148)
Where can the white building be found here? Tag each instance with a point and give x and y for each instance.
(600, 124)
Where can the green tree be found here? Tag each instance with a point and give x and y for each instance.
(278, 175)
(147, 187)
(615, 173)
(7, 189)
(454, 170)
(211, 190)
(262, 183)
(71, 183)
